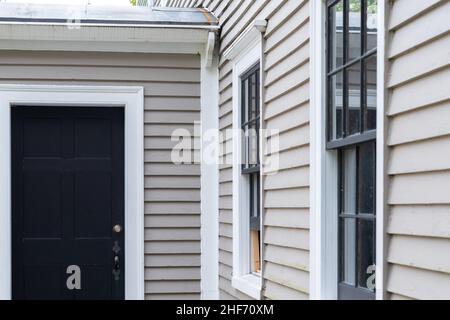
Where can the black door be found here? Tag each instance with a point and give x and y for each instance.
(67, 203)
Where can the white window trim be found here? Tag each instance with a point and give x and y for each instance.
(131, 99)
(244, 55)
(323, 170)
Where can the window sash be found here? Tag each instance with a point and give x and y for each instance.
(362, 244)
(347, 138)
(250, 119)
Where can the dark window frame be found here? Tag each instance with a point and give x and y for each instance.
(350, 141)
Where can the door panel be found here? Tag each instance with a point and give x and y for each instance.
(67, 194)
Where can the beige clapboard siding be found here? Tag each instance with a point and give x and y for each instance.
(172, 194)
(420, 220)
(276, 291)
(287, 218)
(418, 283)
(287, 276)
(420, 252)
(169, 260)
(409, 9)
(437, 114)
(289, 257)
(419, 144)
(172, 296)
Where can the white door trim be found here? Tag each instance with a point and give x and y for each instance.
(131, 99)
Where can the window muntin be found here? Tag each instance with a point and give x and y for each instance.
(351, 130)
(250, 104)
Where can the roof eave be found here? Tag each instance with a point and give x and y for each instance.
(104, 38)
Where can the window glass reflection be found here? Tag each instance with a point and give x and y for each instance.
(348, 240)
(336, 39)
(365, 253)
(337, 103)
(354, 98)
(349, 180)
(371, 24)
(354, 29)
(370, 66)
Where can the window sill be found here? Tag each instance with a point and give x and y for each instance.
(249, 284)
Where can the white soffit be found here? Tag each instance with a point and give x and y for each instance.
(149, 30)
(101, 38)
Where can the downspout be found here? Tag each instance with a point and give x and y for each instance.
(209, 171)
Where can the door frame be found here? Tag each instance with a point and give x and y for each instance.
(129, 98)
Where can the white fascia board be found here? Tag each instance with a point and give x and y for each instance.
(102, 38)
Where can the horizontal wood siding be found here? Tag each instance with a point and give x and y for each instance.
(419, 150)
(172, 192)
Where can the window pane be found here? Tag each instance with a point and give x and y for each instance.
(254, 204)
(255, 221)
(348, 251)
(366, 178)
(335, 32)
(336, 105)
(366, 253)
(348, 188)
(253, 145)
(354, 29)
(253, 98)
(245, 143)
(354, 98)
(370, 66)
(245, 101)
(371, 24)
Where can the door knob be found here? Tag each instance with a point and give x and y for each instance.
(117, 228)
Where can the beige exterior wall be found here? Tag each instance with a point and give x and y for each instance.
(419, 150)
(286, 107)
(172, 193)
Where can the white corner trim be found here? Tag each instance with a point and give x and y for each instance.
(316, 145)
(102, 38)
(241, 277)
(250, 36)
(209, 179)
(381, 162)
(131, 99)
